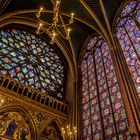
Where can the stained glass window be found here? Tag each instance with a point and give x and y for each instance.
(128, 34)
(31, 61)
(103, 112)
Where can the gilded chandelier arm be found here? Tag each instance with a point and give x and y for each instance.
(54, 27)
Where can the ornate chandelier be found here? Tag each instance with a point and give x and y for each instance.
(68, 132)
(54, 28)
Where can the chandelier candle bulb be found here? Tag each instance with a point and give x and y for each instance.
(41, 8)
(2, 100)
(72, 15)
(53, 36)
(39, 27)
(55, 25)
(68, 33)
(57, 3)
(67, 126)
(71, 19)
(62, 128)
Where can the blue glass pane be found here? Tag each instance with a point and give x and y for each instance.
(102, 104)
(31, 61)
(129, 38)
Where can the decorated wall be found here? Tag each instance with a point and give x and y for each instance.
(13, 125)
(24, 121)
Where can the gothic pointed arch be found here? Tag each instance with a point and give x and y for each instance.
(16, 123)
(126, 29)
(51, 131)
(103, 111)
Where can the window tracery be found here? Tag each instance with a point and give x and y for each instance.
(103, 112)
(128, 34)
(31, 61)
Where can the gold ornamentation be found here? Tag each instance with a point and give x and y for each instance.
(54, 28)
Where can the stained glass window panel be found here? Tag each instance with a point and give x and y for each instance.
(129, 37)
(104, 97)
(31, 61)
(128, 8)
(85, 103)
(137, 12)
(101, 97)
(116, 100)
(94, 103)
(134, 33)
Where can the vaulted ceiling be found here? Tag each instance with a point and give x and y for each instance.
(90, 16)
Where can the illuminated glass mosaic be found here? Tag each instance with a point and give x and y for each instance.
(103, 112)
(128, 33)
(31, 61)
